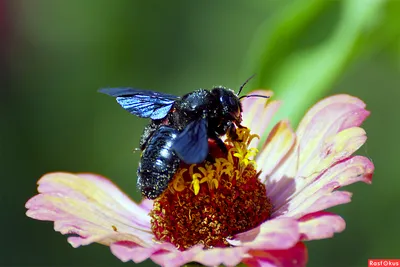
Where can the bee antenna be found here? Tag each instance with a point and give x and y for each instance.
(241, 87)
(246, 96)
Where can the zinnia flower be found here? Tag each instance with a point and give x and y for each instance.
(257, 209)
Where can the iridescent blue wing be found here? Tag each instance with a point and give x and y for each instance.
(142, 103)
(191, 145)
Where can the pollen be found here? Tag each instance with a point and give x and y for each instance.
(210, 202)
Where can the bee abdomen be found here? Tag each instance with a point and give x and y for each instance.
(158, 162)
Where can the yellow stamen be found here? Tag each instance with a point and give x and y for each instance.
(238, 155)
(209, 202)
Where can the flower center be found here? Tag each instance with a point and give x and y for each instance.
(209, 202)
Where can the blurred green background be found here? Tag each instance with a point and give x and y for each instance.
(54, 55)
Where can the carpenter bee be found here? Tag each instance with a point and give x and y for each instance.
(179, 129)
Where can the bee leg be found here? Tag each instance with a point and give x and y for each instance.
(210, 158)
(240, 126)
(232, 132)
(220, 144)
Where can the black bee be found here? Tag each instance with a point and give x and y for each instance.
(179, 129)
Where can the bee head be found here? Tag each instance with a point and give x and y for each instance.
(230, 103)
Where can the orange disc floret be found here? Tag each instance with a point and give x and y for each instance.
(209, 202)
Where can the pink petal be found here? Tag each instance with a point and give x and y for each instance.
(146, 205)
(230, 256)
(276, 234)
(319, 126)
(320, 225)
(176, 258)
(91, 207)
(348, 109)
(319, 194)
(336, 148)
(279, 233)
(126, 250)
(296, 256)
(341, 147)
(328, 134)
(255, 108)
(279, 142)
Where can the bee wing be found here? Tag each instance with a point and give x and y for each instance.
(191, 145)
(142, 103)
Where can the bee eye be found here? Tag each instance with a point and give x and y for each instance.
(232, 101)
